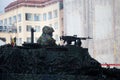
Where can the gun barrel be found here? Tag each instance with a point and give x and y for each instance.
(84, 38)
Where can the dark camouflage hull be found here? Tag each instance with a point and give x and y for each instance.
(51, 63)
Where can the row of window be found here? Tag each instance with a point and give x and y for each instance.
(28, 39)
(38, 17)
(38, 28)
(8, 29)
(29, 17)
(14, 29)
(11, 20)
(28, 28)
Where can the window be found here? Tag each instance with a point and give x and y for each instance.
(20, 28)
(37, 17)
(56, 25)
(20, 41)
(14, 29)
(10, 21)
(1, 28)
(55, 13)
(61, 5)
(28, 28)
(44, 17)
(1, 22)
(28, 16)
(37, 28)
(1, 25)
(5, 21)
(14, 19)
(5, 28)
(19, 17)
(28, 40)
(17, 42)
(49, 15)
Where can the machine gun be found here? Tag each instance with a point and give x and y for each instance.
(76, 40)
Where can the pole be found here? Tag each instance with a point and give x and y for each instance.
(32, 35)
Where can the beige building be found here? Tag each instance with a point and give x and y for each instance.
(22, 15)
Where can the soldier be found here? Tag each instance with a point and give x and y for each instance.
(46, 37)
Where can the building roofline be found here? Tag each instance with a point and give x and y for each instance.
(29, 3)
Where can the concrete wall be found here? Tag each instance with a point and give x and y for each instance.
(73, 17)
(103, 31)
(98, 19)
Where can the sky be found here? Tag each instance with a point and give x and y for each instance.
(3, 4)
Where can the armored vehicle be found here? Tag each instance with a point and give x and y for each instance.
(41, 61)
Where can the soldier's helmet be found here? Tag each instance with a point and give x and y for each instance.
(47, 30)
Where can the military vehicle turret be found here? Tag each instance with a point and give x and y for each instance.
(47, 61)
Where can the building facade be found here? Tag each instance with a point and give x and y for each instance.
(98, 19)
(117, 30)
(22, 15)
